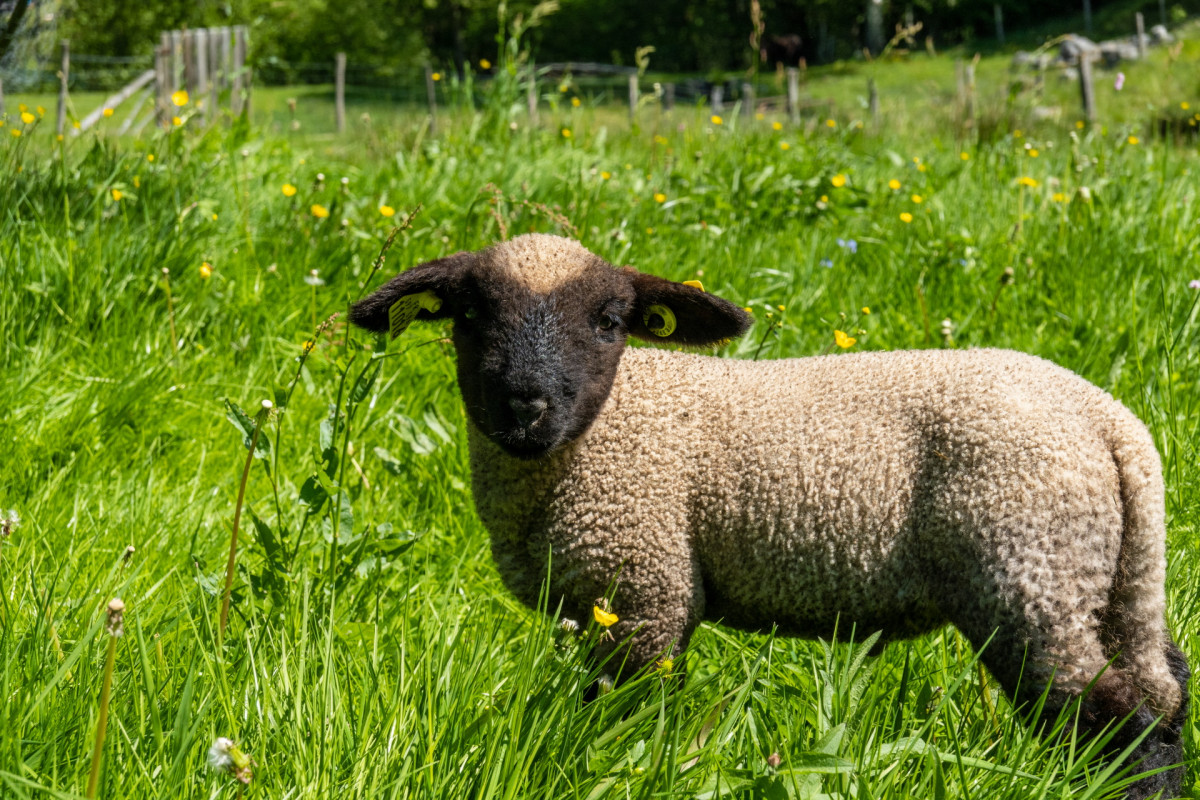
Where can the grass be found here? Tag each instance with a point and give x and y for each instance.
(388, 660)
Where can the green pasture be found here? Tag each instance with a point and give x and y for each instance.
(152, 286)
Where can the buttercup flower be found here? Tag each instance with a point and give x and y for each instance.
(715, 119)
(180, 98)
(116, 195)
(906, 217)
(387, 211)
(604, 618)
(319, 211)
(777, 126)
(28, 118)
(206, 270)
(288, 190)
(485, 64)
(838, 180)
(842, 340)
(659, 197)
(576, 102)
(894, 184)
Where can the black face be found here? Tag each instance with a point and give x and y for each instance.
(535, 368)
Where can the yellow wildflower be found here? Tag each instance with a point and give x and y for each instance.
(1079, 124)
(288, 190)
(921, 167)
(784, 146)
(485, 64)
(1017, 134)
(1058, 197)
(776, 126)
(1028, 181)
(965, 156)
(604, 618)
(659, 197)
(831, 123)
(1133, 140)
(179, 98)
(319, 211)
(665, 666)
(715, 119)
(15, 131)
(605, 175)
(1184, 105)
(206, 270)
(842, 340)
(116, 195)
(41, 111)
(760, 116)
(893, 184)
(22, 107)
(28, 118)
(659, 139)
(824, 198)
(1033, 153)
(566, 133)
(215, 216)
(437, 76)
(150, 157)
(906, 217)
(576, 102)
(866, 309)
(838, 180)
(176, 121)
(387, 211)
(916, 198)
(137, 183)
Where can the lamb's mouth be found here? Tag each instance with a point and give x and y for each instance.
(527, 442)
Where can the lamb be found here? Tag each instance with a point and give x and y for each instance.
(896, 491)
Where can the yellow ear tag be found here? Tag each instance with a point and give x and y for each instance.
(659, 319)
(404, 310)
(694, 285)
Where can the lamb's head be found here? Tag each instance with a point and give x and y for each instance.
(539, 326)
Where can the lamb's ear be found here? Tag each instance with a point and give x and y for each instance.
(679, 313)
(440, 279)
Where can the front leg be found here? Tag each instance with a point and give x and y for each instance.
(658, 603)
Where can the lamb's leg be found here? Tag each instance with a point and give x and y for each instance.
(1044, 640)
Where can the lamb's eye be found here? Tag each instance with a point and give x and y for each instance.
(607, 323)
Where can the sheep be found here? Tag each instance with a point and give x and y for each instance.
(898, 491)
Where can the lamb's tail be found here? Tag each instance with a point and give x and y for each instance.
(1135, 621)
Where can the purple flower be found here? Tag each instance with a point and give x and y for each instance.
(848, 244)
(1194, 285)
(1119, 83)
(825, 262)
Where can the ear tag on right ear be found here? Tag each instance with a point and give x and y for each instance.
(659, 320)
(404, 310)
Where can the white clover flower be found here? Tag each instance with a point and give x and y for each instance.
(218, 755)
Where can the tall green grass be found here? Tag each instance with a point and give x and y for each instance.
(388, 660)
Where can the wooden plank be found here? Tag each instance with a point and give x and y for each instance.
(793, 94)
(239, 68)
(1140, 24)
(146, 94)
(114, 100)
(633, 98)
(431, 96)
(339, 92)
(747, 100)
(63, 73)
(201, 56)
(1087, 90)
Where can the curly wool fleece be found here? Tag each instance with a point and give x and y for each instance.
(893, 491)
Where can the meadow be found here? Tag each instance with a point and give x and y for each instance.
(154, 291)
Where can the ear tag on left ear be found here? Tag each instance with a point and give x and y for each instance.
(659, 320)
(694, 285)
(404, 310)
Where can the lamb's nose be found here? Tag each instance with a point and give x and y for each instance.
(527, 410)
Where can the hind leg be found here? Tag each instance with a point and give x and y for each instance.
(1037, 643)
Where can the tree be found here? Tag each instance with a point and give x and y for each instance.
(9, 32)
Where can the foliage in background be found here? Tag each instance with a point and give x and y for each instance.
(689, 35)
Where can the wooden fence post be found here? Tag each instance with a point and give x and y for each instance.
(63, 74)
(1086, 89)
(214, 83)
(873, 101)
(176, 60)
(531, 98)
(431, 94)
(969, 70)
(162, 80)
(793, 94)
(339, 92)
(633, 98)
(239, 68)
(1, 97)
(747, 100)
(189, 60)
(201, 56)
(1141, 35)
(668, 98)
(716, 98)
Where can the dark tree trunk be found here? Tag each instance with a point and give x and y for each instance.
(10, 29)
